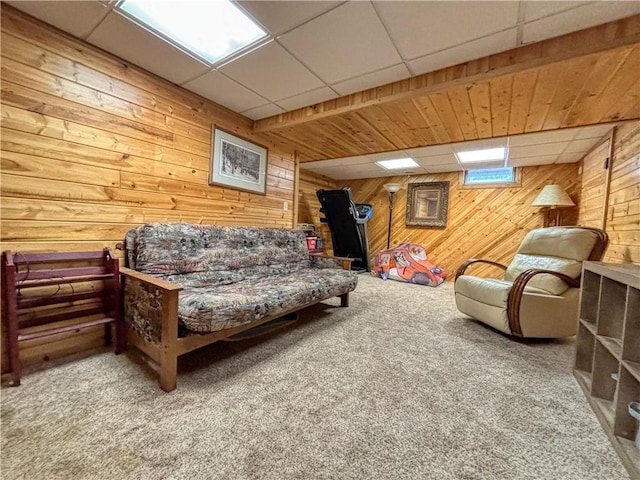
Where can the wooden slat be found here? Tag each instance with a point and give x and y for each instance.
(482, 223)
(560, 49)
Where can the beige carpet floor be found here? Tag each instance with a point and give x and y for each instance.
(397, 386)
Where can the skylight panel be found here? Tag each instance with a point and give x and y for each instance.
(397, 163)
(484, 155)
(211, 30)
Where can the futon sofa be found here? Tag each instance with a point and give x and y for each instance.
(188, 285)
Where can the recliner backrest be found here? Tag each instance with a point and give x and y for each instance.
(561, 249)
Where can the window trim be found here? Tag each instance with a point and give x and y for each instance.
(517, 181)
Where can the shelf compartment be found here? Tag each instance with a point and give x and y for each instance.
(605, 373)
(591, 327)
(607, 410)
(590, 291)
(611, 308)
(633, 368)
(629, 391)
(630, 348)
(614, 345)
(584, 349)
(584, 380)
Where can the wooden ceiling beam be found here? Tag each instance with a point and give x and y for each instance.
(586, 42)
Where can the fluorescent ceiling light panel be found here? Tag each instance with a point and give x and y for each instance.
(211, 30)
(397, 163)
(484, 155)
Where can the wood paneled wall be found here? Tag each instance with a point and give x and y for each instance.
(622, 220)
(482, 222)
(309, 206)
(93, 146)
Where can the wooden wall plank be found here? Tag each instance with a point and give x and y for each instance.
(92, 146)
(623, 207)
(482, 222)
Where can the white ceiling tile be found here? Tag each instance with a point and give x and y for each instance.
(479, 144)
(339, 162)
(597, 131)
(536, 150)
(119, 35)
(570, 157)
(263, 70)
(443, 168)
(552, 136)
(377, 157)
(308, 98)
(225, 91)
(371, 80)
(419, 28)
(529, 161)
(78, 18)
(262, 112)
(578, 18)
(448, 159)
(344, 43)
(581, 145)
(481, 47)
(477, 165)
(538, 9)
(279, 16)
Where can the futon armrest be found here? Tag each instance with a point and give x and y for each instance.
(343, 261)
(462, 268)
(517, 289)
(150, 305)
(150, 279)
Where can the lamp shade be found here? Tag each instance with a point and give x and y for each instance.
(392, 187)
(553, 196)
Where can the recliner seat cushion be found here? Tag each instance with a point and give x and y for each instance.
(488, 290)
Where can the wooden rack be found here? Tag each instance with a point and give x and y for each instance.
(608, 352)
(47, 294)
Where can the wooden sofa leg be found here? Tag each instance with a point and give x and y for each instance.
(344, 300)
(168, 373)
(169, 352)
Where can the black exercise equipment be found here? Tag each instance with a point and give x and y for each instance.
(348, 224)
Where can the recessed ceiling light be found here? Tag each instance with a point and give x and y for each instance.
(397, 163)
(211, 30)
(484, 155)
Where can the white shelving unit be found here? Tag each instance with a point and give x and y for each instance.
(607, 363)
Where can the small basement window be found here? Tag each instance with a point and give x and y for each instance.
(491, 177)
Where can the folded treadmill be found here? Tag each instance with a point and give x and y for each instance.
(348, 224)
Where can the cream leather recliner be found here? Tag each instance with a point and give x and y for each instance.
(539, 294)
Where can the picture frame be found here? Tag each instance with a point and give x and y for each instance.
(427, 204)
(237, 163)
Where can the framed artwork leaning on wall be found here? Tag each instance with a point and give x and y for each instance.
(237, 163)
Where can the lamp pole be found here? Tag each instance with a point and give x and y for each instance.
(392, 188)
(391, 194)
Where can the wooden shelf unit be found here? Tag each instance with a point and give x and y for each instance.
(607, 364)
(54, 293)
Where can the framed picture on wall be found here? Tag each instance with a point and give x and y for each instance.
(427, 204)
(237, 163)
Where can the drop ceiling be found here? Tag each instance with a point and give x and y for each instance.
(321, 50)
(324, 53)
(543, 148)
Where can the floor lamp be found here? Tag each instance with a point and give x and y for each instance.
(392, 188)
(554, 197)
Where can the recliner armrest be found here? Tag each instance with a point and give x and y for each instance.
(462, 268)
(515, 294)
